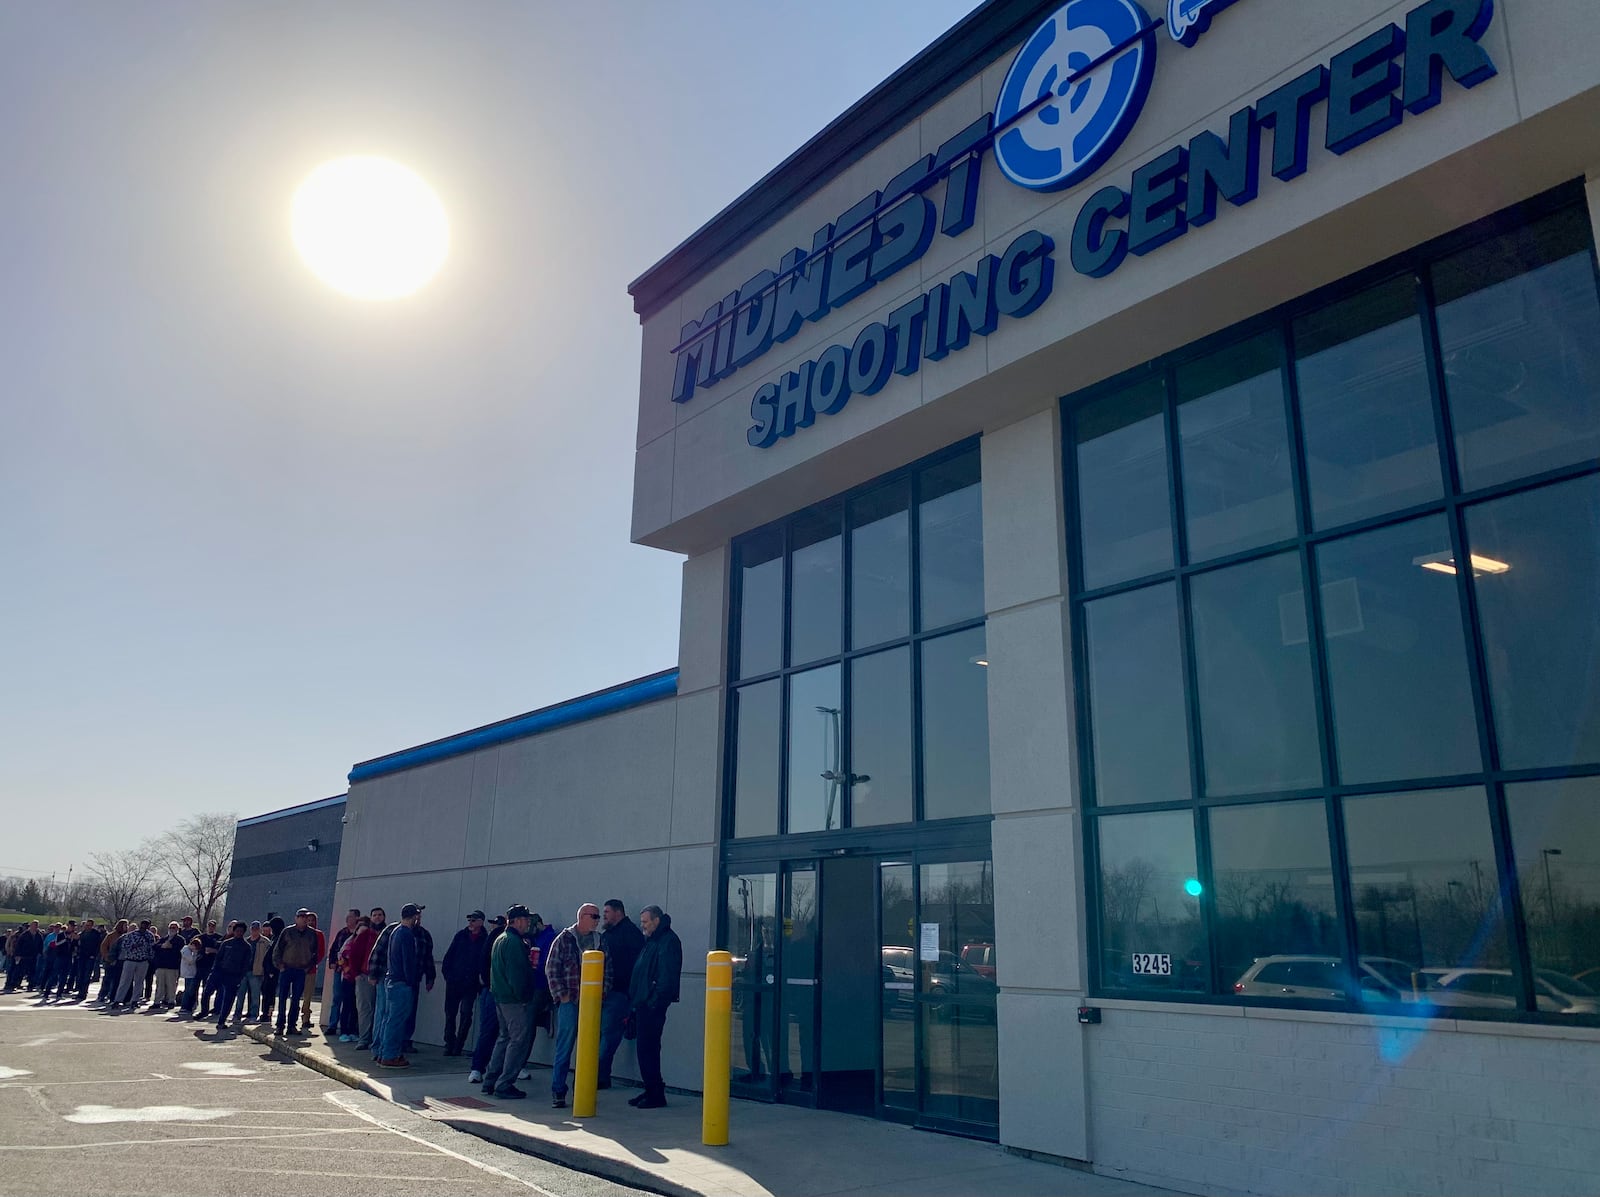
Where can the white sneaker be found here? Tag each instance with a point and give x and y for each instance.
(525, 1075)
(474, 1077)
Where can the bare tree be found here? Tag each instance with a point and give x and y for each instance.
(197, 855)
(124, 884)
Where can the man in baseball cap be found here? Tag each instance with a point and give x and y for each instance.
(461, 962)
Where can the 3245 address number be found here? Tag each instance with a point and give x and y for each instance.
(1152, 964)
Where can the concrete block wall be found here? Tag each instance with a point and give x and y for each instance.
(595, 810)
(1273, 1101)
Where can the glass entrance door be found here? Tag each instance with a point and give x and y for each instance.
(958, 988)
(796, 1061)
(752, 917)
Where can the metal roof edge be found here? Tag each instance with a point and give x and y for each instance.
(290, 810)
(651, 688)
(948, 62)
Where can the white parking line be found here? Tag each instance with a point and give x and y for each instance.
(349, 1107)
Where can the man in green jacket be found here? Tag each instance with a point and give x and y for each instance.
(511, 984)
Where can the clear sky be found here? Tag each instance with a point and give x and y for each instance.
(252, 531)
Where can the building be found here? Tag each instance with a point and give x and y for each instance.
(1139, 684)
(287, 859)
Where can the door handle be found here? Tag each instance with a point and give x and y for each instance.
(799, 981)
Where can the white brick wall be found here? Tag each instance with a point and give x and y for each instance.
(1268, 1101)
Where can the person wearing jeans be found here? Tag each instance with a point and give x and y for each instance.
(564, 974)
(402, 971)
(295, 953)
(511, 982)
(229, 967)
(622, 942)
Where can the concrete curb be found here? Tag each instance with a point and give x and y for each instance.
(328, 1068)
(564, 1154)
(576, 1158)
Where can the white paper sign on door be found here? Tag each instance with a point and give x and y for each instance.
(930, 942)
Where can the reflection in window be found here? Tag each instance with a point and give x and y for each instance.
(815, 585)
(1555, 836)
(955, 726)
(950, 541)
(1234, 449)
(1536, 571)
(960, 1045)
(880, 565)
(1253, 667)
(797, 1025)
(1426, 896)
(1519, 329)
(880, 738)
(1124, 510)
(1365, 412)
(1397, 655)
(1272, 890)
(1149, 903)
(816, 792)
(755, 766)
(899, 973)
(751, 919)
(1141, 737)
(760, 603)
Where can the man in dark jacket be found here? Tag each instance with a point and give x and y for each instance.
(402, 971)
(236, 956)
(427, 972)
(461, 964)
(488, 1016)
(89, 941)
(655, 987)
(25, 957)
(622, 941)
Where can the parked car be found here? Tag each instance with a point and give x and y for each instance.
(979, 957)
(1554, 993)
(1322, 977)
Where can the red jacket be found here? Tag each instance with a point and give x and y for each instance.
(356, 953)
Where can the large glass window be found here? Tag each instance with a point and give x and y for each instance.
(1150, 934)
(881, 743)
(1124, 511)
(1536, 568)
(955, 726)
(1141, 741)
(1425, 894)
(816, 751)
(1365, 411)
(950, 542)
(1397, 657)
(1253, 669)
(1378, 715)
(874, 717)
(1234, 449)
(760, 561)
(1555, 834)
(880, 564)
(1277, 920)
(816, 585)
(756, 720)
(1517, 317)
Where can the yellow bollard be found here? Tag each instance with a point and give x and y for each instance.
(719, 1042)
(586, 1068)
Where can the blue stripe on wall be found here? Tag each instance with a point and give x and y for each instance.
(576, 710)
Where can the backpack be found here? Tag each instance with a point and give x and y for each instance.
(378, 962)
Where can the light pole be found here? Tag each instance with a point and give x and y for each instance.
(1549, 892)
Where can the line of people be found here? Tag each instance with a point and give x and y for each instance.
(513, 977)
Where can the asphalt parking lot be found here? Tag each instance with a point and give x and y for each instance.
(141, 1103)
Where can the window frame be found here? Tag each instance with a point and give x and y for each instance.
(913, 639)
(1453, 505)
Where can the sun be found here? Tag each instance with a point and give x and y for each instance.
(370, 228)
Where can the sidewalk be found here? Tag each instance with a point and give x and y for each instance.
(774, 1150)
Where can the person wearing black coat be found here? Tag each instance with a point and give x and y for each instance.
(463, 961)
(25, 957)
(654, 988)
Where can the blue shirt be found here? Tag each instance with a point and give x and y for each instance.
(404, 966)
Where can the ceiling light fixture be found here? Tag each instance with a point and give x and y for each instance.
(1445, 563)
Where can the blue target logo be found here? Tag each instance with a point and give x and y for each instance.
(1094, 60)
